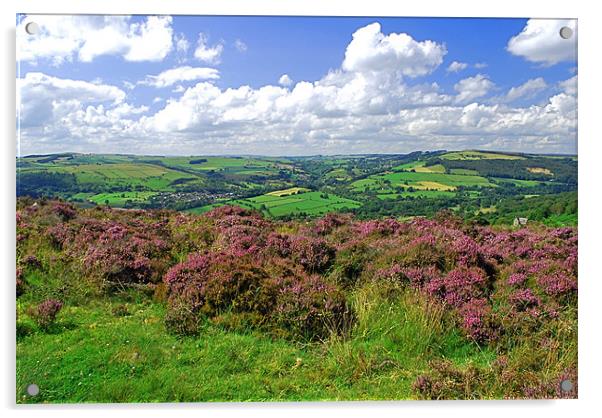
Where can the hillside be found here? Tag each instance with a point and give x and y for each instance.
(160, 306)
(421, 183)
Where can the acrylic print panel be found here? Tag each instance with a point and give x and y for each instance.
(295, 209)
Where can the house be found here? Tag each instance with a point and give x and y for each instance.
(520, 221)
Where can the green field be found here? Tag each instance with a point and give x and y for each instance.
(121, 198)
(149, 176)
(421, 181)
(480, 155)
(518, 182)
(311, 203)
(417, 193)
(92, 355)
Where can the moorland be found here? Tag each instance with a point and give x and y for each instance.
(245, 278)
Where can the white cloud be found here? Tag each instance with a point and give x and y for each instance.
(472, 87)
(540, 41)
(182, 43)
(527, 89)
(356, 108)
(66, 38)
(371, 50)
(285, 80)
(480, 65)
(456, 66)
(240, 46)
(569, 86)
(175, 75)
(206, 53)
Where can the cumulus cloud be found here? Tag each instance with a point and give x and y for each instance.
(285, 80)
(540, 41)
(527, 89)
(64, 38)
(371, 50)
(569, 86)
(206, 53)
(472, 87)
(180, 74)
(456, 66)
(365, 105)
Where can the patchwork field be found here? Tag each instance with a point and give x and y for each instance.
(480, 155)
(420, 181)
(283, 203)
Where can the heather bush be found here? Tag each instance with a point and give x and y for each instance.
(64, 211)
(495, 289)
(45, 313)
(314, 254)
(180, 318)
(307, 306)
(446, 381)
(349, 263)
(216, 284)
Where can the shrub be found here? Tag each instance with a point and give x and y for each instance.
(446, 381)
(314, 254)
(180, 319)
(45, 313)
(309, 307)
(120, 310)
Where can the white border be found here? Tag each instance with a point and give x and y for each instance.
(590, 159)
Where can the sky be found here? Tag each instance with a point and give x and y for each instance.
(215, 85)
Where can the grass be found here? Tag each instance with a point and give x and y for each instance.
(421, 181)
(121, 198)
(91, 355)
(430, 194)
(518, 182)
(479, 155)
(151, 177)
(291, 191)
(282, 203)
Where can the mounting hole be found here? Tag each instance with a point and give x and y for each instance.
(32, 28)
(566, 385)
(33, 389)
(566, 32)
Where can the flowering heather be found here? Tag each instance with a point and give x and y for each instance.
(557, 284)
(524, 299)
(508, 291)
(45, 313)
(64, 211)
(314, 254)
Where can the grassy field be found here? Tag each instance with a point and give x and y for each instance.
(120, 199)
(124, 174)
(420, 181)
(286, 192)
(282, 203)
(92, 355)
(417, 193)
(479, 155)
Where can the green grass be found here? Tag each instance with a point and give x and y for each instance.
(311, 203)
(431, 194)
(479, 155)
(91, 355)
(119, 199)
(419, 181)
(518, 182)
(149, 176)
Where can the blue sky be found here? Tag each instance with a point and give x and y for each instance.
(353, 85)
